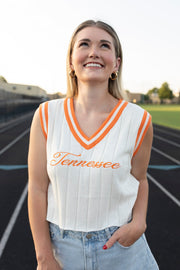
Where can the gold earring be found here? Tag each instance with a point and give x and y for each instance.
(114, 75)
(72, 74)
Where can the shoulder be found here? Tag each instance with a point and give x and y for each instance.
(135, 115)
(54, 102)
(141, 122)
(47, 112)
(50, 105)
(134, 108)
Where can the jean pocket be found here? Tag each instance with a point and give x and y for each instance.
(124, 247)
(136, 243)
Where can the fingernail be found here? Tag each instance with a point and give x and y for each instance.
(104, 247)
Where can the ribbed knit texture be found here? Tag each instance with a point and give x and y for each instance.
(91, 186)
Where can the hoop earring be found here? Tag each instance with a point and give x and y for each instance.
(72, 74)
(113, 76)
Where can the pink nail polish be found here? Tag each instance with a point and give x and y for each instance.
(104, 247)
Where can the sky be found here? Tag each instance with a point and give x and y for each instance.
(34, 37)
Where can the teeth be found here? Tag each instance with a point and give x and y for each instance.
(93, 65)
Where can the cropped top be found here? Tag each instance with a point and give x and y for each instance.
(91, 186)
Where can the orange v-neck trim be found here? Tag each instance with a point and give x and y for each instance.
(99, 129)
(83, 139)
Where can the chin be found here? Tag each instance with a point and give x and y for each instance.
(95, 79)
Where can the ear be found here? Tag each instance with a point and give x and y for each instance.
(70, 64)
(117, 64)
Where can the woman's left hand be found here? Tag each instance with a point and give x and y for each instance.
(126, 235)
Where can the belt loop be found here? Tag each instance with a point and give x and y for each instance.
(108, 233)
(111, 230)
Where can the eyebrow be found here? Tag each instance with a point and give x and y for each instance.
(101, 41)
(84, 39)
(104, 40)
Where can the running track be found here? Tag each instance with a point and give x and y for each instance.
(163, 232)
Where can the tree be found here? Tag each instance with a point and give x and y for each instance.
(146, 97)
(154, 90)
(2, 79)
(165, 92)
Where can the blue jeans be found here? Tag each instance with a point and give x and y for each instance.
(84, 251)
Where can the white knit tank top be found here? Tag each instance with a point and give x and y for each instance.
(91, 187)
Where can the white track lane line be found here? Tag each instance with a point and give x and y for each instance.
(11, 126)
(15, 214)
(24, 194)
(12, 221)
(173, 198)
(166, 155)
(167, 132)
(14, 122)
(166, 140)
(14, 141)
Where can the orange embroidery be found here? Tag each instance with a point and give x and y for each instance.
(58, 155)
(60, 158)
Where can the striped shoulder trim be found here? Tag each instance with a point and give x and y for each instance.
(145, 122)
(43, 113)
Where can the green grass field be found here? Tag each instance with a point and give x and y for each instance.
(165, 115)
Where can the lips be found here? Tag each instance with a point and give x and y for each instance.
(93, 64)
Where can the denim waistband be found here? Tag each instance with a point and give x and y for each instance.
(93, 235)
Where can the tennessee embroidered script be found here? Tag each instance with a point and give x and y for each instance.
(65, 159)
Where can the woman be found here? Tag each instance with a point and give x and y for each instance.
(88, 158)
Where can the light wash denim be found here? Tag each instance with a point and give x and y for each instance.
(84, 251)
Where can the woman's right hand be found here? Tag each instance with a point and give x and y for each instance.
(50, 264)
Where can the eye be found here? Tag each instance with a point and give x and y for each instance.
(83, 44)
(105, 45)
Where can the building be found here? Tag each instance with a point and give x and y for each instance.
(20, 91)
(56, 95)
(135, 97)
(154, 98)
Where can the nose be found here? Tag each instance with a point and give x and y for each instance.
(94, 52)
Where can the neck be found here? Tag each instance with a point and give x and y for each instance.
(94, 97)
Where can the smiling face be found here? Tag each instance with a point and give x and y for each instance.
(93, 57)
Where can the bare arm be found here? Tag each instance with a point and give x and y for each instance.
(130, 232)
(37, 197)
(139, 170)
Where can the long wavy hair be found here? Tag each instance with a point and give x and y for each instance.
(115, 86)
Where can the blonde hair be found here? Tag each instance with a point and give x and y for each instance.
(115, 86)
